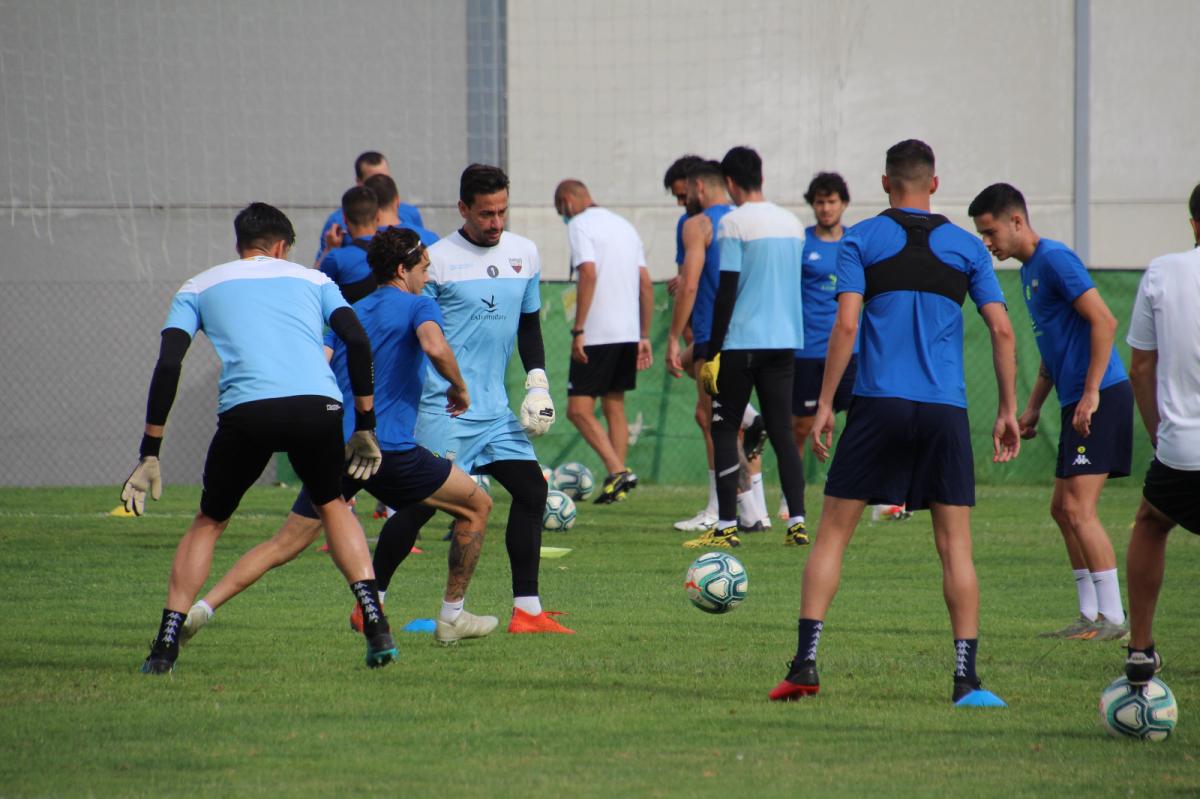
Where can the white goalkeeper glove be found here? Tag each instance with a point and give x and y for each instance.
(537, 411)
(145, 477)
(363, 457)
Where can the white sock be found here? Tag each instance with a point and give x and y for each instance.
(725, 524)
(795, 520)
(451, 610)
(382, 595)
(530, 604)
(712, 493)
(1108, 595)
(206, 607)
(388, 512)
(747, 509)
(760, 497)
(783, 508)
(748, 416)
(1087, 593)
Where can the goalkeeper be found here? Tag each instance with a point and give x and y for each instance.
(264, 317)
(486, 283)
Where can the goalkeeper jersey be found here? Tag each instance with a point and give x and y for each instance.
(265, 319)
(482, 292)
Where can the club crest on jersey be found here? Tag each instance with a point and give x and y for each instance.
(493, 270)
(515, 263)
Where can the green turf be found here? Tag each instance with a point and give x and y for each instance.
(651, 698)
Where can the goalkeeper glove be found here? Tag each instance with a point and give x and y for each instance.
(145, 477)
(709, 373)
(537, 411)
(363, 455)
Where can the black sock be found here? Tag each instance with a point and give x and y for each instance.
(166, 643)
(367, 594)
(810, 636)
(964, 659)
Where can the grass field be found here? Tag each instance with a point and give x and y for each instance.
(651, 698)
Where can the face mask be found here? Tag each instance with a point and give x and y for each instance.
(566, 219)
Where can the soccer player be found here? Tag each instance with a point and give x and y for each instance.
(828, 196)
(1164, 337)
(347, 266)
(610, 342)
(486, 282)
(757, 324)
(1074, 331)
(675, 181)
(264, 317)
(405, 329)
(367, 164)
(907, 271)
(389, 208)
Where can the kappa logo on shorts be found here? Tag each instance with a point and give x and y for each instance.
(1080, 458)
(333, 406)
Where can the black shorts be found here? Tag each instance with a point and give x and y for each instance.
(610, 368)
(806, 385)
(1109, 449)
(898, 452)
(768, 372)
(308, 429)
(1175, 493)
(405, 478)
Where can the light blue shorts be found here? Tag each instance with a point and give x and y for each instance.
(474, 443)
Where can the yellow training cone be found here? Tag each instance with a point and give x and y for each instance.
(120, 511)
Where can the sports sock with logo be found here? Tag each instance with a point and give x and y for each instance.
(809, 637)
(711, 508)
(1108, 595)
(1086, 589)
(367, 594)
(964, 659)
(451, 610)
(760, 497)
(748, 416)
(167, 640)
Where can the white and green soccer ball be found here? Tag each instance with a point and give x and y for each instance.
(484, 482)
(575, 480)
(1147, 712)
(716, 582)
(560, 511)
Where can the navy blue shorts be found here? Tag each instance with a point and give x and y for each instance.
(807, 376)
(1109, 449)
(1175, 493)
(896, 452)
(404, 479)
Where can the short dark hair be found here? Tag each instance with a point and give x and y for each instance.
(1194, 203)
(369, 158)
(261, 225)
(709, 171)
(359, 206)
(480, 179)
(909, 160)
(997, 199)
(384, 188)
(393, 247)
(744, 167)
(680, 169)
(827, 183)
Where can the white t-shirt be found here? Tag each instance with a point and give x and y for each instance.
(1165, 319)
(613, 245)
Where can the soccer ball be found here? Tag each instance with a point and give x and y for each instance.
(1147, 712)
(716, 582)
(575, 480)
(560, 511)
(484, 482)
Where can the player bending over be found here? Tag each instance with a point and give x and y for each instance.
(907, 272)
(486, 282)
(405, 329)
(264, 317)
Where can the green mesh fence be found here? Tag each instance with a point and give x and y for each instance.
(665, 444)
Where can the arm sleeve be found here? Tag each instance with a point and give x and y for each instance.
(1142, 334)
(529, 341)
(358, 350)
(723, 309)
(165, 381)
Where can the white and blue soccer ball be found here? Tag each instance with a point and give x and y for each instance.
(484, 482)
(1146, 712)
(575, 480)
(560, 511)
(716, 582)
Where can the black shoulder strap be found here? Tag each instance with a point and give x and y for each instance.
(916, 268)
(362, 244)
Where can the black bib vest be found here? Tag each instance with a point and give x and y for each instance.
(916, 268)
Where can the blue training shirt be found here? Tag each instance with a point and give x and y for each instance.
(482, 292)
(409, 215)
(710, 277)
(264, 318)
(764, 244)
(346, 264)
(820, 294)
(428, 237)
(391, 318)
(679, 238)
(1051, 281)
(911, 342)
